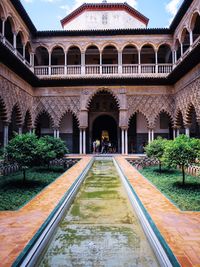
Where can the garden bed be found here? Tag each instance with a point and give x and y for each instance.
(14, 193)
(169, 182)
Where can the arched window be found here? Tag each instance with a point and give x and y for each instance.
(19, 43)
(110, 55)
(57, 56)
(9, 30)
(130, 55)
(195, 26)
(178, 49)
(147, 55)
(27, 52)
(74, 56)
(92, 55)
(185, 38)
(41, 56)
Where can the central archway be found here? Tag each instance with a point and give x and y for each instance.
(105, 127)
(103, 114)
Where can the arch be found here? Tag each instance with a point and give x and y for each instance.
(109, 55)
(27, 125)
(147, 54)
(102, 90)
(9, 29)
(135, 112)
(92, 55)
(177, 49)
(68, 110)
(130, 55)
(185, 39)
(28, 50)
(57, 45)
(18, 114)
(41, 56)
(3, 111)
(92, 44)
(178, 121)
(57, 56)
(163, 124)
(43, 123)
(188, 116)
(74, 55)
(109, 44)
(20, 42)
(195, 25)
(191, 121)
(164, 54)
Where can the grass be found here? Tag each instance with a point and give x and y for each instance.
(14, 193)
(169, 182)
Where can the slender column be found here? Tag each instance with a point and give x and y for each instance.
(49, 63)
(80, 141)
(65, 71)
(32, 59)
(149, 136)
(100, 62)
(139, 61)
(54, 133)
(58, 134)
(20, 130)
(191, 39)
(181, 49)
(3, 28)
(5, 135)
(84, 141)
(120, 62)
(24, 47)
(126, 141)
(187, 131)
(30, 131)
(122, 141)
(83, 63)
(15, 42)
(152, 134)
(173, 58)
(156, 58)
(178, 132)
(174, 133)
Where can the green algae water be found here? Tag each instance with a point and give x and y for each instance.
(100, 229)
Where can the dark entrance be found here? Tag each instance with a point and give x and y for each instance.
(105, 127)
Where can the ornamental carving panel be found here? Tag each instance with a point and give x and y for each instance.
(56, 107)
(12, 95)
(190, 95)
(150, 106)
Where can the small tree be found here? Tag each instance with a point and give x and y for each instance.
(156, 149)
(182, 152)
(49, 148)
(22, 150)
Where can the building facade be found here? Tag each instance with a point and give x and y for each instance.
(128, 84)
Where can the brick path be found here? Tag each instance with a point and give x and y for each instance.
(180, 229)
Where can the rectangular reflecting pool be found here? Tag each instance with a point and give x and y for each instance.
(100, 228)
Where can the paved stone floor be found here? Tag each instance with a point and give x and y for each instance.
(181, 230)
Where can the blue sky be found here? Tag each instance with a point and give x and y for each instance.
(46, 14)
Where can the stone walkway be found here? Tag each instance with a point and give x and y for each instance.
(180, 229)
(18, 227)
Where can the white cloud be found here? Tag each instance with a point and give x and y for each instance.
(28, 1)
(78, 3)
(172, 8)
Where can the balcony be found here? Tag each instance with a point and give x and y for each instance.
(144, 70)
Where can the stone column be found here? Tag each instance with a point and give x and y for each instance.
(120, 62)
(80, 141)
(174, 133)
(65, 68)
(24, 50)
(83, 63)
(122, 141)
(20, 130)
(100, 62)
(54, 133)
(139, 61)
(178, 132)
(5, 135)
(152, 134)
(156, 59)
(3, 28)
(181, 49)
(84, 141)
(126, 141)
(187, 131)
(149, 136)
(191, 39)
(58, 134)
(49, 63)
(15, 42)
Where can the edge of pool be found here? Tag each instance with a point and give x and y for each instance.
(36, 245)
(160, 247)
